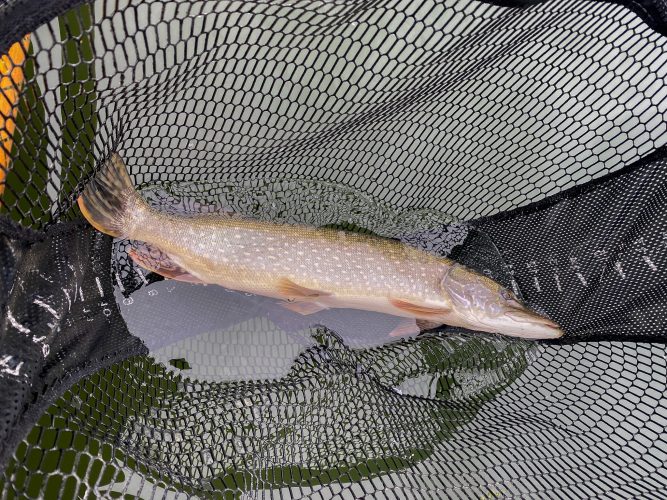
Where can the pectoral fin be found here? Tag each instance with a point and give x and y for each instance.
(405, 327)
(153, 259)
(409, 326)
(424, 324)
(291, 290)
(418, 310)
(304, 308)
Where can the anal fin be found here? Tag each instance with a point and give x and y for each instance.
(153, 259)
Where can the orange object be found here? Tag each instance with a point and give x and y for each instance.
(12, 79)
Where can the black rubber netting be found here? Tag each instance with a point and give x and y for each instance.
(525, 140)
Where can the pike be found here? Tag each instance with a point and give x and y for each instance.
(308, 269)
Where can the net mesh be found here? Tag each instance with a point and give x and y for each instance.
(526, 141)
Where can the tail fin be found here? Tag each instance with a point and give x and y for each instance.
(109, 200)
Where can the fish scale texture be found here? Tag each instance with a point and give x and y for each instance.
(525, 140)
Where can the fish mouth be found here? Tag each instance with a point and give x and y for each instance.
(536, 325)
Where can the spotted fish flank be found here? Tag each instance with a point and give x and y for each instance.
(308, 269)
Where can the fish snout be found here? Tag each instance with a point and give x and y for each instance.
(529, 324)
(484, 305)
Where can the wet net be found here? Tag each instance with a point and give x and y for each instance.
(526, 140)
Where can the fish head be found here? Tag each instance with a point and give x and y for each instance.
(485, 305)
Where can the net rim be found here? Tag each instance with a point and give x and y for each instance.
(18, 17)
